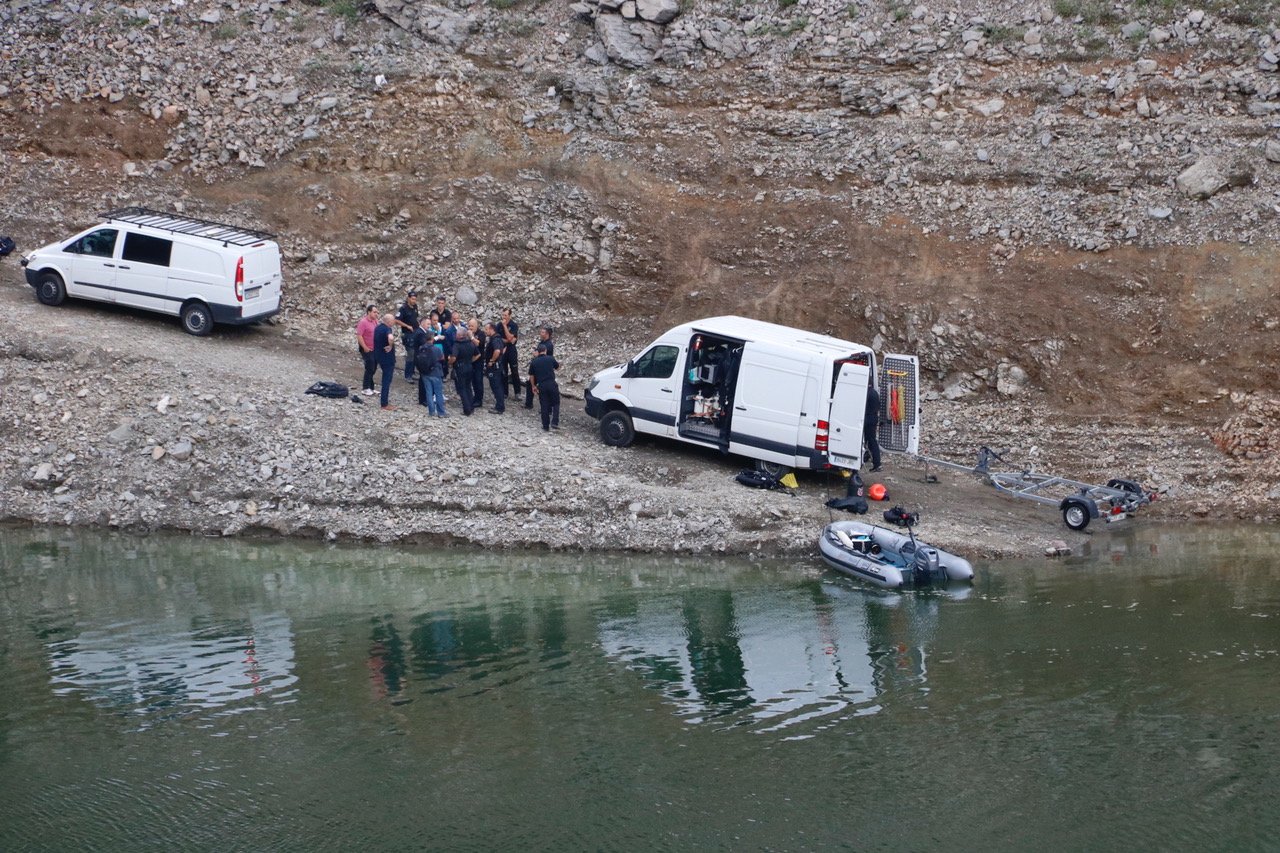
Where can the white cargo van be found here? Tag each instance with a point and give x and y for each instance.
(782, 396)
(202, 272)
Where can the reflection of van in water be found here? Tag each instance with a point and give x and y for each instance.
(782, 396)
(203, 272)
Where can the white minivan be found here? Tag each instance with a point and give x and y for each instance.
(784, 397)
(202, 272)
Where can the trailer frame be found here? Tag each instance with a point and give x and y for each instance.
(1122, 498)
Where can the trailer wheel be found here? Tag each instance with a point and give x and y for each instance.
(1075, 514)
(616, 429)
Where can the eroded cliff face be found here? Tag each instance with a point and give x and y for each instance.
(1073, 203)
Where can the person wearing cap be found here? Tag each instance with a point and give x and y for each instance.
(544, 338)
(364, 345)
(542, 379)
(384, 347)
(407, 319)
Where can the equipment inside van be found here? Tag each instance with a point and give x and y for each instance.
(782, 396)
(200, 271)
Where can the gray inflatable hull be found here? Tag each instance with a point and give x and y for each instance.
(895, 566)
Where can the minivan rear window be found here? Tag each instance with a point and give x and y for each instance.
(145, 249)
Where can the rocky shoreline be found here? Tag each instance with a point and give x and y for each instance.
(144, 428)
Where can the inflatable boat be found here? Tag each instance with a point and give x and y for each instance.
(888, 559)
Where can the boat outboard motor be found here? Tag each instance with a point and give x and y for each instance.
(926, 565)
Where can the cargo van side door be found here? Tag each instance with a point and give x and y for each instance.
(769, 403)
(848, 410)
(900, 404)
(142, 274)
(653, 387)
(93, 265)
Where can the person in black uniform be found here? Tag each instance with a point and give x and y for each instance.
(509, 329)
(544, 340)
(542, 379)
(407, 320)
(463, 361)
(446, 316)
(871, 424)
(495, 349)
(477, 376)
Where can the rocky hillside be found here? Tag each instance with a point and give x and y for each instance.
(1072, 202)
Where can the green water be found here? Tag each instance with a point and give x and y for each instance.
(176, 693)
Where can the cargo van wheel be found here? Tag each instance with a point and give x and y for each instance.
(197, 319)
(50, 289)
(776, 470)
(616, 429)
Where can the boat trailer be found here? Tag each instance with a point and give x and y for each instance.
(1078, 502)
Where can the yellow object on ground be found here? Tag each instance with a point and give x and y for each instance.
(790, 481)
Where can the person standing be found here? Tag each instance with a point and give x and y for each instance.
(384, 345)
(545, 342)
(871, 425)
(364, 342)
(509, 329)
(542, 379)
(418, 342)
(446, 316)
(495, 366)
(431, 377)
(463, 362)
(407, 320)
(477, 376)
(448, 335)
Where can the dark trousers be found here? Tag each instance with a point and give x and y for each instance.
(370, 367)
(477, 388)
(873, 442)
(497, 384)
(510, 369)
(388, 368)
(528, 395)
(409, 353)
(462, 382)
(549, 405)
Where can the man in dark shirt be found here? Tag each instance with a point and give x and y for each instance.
(384, 346)
(870, 424)
(407, 320)
(544, 340)
(510, 332)
(477, 376)
(462, 361)
(495, 349)
(542, 379)
(446, 316)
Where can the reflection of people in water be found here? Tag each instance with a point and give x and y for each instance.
(386, 662)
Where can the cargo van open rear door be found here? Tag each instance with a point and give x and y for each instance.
(848, 408)
(900, 404)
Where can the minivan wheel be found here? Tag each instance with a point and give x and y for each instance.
(616, 429)
(196, 319)
(50, 289)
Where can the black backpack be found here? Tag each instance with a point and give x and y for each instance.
(426, 358)
(6, 245)
(329, 389)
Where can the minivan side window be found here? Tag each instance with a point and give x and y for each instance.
(657, 363)
(147, 250)
(100, 243)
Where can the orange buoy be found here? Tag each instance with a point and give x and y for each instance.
(878, 492)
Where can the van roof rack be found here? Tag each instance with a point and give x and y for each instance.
(178, 224)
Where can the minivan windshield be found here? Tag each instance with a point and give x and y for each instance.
(100, 243)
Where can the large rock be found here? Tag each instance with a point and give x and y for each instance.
(657, 11)
(1210, 175)
(631, 44)
(433, 23)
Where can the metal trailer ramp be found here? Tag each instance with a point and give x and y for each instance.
(1078, 502)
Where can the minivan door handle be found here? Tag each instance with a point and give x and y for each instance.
(109, 265)
(123, 267)
(741, 408)
(666, 390)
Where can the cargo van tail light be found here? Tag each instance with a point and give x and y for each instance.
(240, 280)
(823, 437)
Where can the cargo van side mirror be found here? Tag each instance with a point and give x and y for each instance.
(630, 370)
